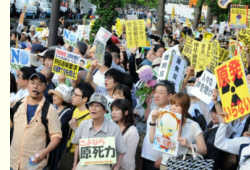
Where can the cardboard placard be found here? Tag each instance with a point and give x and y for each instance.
(20, 57)
(83, 32)
(233, 89)
(70, 37)
(95, 151)
(103, 35)
(204, 86)
(67, 63)
(167, 131)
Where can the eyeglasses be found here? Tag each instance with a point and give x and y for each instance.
(78, 95)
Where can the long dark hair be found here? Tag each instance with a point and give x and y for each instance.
(124, 105)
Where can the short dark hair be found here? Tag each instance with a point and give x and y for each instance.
(168, 84)
(27, 72)
(126, 91)
(115, 74)
(157, 46)
(107, 59)
(50, 54)
(86, 89)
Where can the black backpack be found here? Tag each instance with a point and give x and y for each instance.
(45, 109)
(200, 119)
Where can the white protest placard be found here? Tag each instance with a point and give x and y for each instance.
(173, 67)
(83, 31)
(167, 131)
(67, 63)
(20, 57)
(204, 86)
(103, 35)
(100, 51)
(70, 37)
(95, 151)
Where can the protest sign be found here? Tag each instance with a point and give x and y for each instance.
(136, 33)
(167, 131)
(214, 55)
(173, 13)
(132, 17)
(204, 86)
(233, 89)
(83, 32)
(194, 56)
(95, 151)
(103, 35)
(202, 58)
(224, 3)
(222, 28)
(100, 51)
(67, 63)
(239, 16)
(173, 67)
(237, 48)
(70, 37)
(187, 50)
(39, 29)
(119, 26)
(20, 57)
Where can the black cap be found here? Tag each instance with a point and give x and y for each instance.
(40, 76)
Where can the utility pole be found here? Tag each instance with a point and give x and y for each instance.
(53, 25)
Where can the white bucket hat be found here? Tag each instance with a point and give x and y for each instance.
(62, 91)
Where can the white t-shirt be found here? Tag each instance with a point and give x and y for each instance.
(190, 131)
(99, 79)
(20, 94)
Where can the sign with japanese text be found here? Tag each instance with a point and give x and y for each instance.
(100, 51)
(237, 48)
(20, 57)
(204, 86)
(173, 67)
(103, 35)
(187, 50)
(214, 55)
(136, 33)
(70, 37)
(167, 131)
(239, 16)
(233, 89)
(97, 151)
(83, 32)
(119, 26)
(67, 63)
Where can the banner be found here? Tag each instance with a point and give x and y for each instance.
(67, 63)
(20, 57)
(239, 16)
(204, 86)
(167, 131)
(70, 37)
(224, 3)
(95, 151)
(136, 33)
(233, 89)
(83, 32)
(173, 67)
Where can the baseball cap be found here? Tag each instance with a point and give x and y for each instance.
(98, 98)
(40, 76)
(63, 91)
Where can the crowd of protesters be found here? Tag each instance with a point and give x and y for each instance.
(51, 113)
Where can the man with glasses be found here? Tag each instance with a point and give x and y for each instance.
(80, 97)
(151, 158)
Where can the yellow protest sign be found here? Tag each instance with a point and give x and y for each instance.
(202, 58)
(119, 27)
(173, 13)
(214, 55)
(95, 151)
(194, 56)
(207, 36)
(232, 85)
(188, 23)
(237, 48)
(67, 63)
(39, 29)
(238, 16)
(136, 33)
(187, 50)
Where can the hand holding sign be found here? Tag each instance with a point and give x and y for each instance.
(155, 115)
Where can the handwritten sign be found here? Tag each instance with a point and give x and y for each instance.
(167, 130)
(70, 37)
(100, 51)
(204, 86)
(136, 33)
(83, 32)
(173, 67)
(233, 89)
(103, 35)
(97, 151)
(20, 57)
(67, 63)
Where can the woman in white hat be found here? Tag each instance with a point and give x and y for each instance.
(61, 99)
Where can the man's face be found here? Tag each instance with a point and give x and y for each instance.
(161, 96)
(110, 83)
(21, 83)
(36, 88)
(96, 111)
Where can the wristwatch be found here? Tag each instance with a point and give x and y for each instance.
(152, 124)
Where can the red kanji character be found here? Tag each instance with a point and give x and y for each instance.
(235, 69)
(223, 76)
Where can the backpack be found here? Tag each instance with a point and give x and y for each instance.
(200, 119)
(45, 109)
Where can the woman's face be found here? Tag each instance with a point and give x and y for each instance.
(118, 94)
(57, 100)
(116, 114)
(176, 108)
(159, 52)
